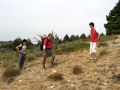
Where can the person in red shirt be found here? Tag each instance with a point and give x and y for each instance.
(93, 41)
(48, 51)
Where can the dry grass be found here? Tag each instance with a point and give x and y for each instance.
(103, 52)
(116, 78)
(10, 74)
(67, 87)
(77, 69)
(103, 44)
(56, 77)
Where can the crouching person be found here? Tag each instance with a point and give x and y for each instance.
(21, 49)
(47, 50)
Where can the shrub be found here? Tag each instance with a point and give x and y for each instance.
(77, 69)
(30, 57)
(71, 47)
(103, 44)
(10, 74)
(103, 52)
(56, 77)
(116, 77)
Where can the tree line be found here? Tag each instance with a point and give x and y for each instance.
(12, 44)
(56, 40)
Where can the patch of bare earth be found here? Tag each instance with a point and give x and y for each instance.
(102, 74)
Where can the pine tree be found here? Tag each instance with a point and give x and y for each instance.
(83, 36)
(66, 38)
(113, 25)
(72, 38)
(88, 37)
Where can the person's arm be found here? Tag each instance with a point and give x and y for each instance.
(98, 36)
(44, 44)
(17, 48)
(98, 39)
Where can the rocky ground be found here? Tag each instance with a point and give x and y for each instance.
(102, 74)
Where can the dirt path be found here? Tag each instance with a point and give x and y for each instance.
(96, 75)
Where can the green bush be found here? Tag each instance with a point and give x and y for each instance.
(31, 57)
(73, 46)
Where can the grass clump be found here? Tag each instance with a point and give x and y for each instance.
(10, 74)
(116, 78)
(31, 57)
(77, 69)
(56, 77)
(103, 44)
(103, 52)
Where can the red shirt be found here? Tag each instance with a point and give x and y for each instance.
(94, 35)
(48, 43)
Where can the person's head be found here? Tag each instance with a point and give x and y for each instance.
(24, 41)
(91, 25)
(50, 36)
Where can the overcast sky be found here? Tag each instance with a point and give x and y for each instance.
(27, 18)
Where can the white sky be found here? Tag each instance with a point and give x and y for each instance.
(27, 18)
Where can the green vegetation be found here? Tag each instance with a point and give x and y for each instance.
(11, 45)
(113, 25)
(9, 58)
(72, 46)
(66, 38)
(83, 36)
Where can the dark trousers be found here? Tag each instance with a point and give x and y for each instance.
(21, 61)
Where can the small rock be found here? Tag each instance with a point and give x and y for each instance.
(54, 71)
(52, 86)
(69, 81)
(20, 80)
(104, 83)
(72, 85)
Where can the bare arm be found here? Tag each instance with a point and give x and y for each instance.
(98, 37)
(17, 48)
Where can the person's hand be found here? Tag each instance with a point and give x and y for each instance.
(17, 51)
(44, 47)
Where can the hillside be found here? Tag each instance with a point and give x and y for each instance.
(103, 74)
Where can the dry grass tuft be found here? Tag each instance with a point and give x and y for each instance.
(56, 77)
(10, 74)
(116, 77)
(77, 69)
(103, 52)
(103, 44)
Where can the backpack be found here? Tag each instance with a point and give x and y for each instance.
(42, 43)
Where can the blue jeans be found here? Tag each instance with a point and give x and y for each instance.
(21, 61)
